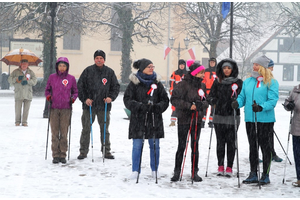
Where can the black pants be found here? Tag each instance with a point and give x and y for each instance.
(182, 139)
(264, 133)
(225, 135)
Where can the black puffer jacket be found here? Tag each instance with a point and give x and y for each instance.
(134, 96)
(96, 84)
(221, 94)
(183, 97)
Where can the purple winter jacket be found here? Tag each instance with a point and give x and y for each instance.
(62, 87)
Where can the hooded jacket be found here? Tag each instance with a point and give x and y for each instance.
(177, 75)
(295, 96)
(97, 84)
(223, 94)
(209, 76)
(135, 95)
(184, 95)
(62, 87)
(23, 91)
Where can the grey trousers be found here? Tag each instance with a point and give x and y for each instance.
(86, 130)
(18, 110)
(59, 122)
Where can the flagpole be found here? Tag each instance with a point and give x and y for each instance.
(231, 28)
(168, 61)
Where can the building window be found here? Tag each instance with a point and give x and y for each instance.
(288, 73)
(289, 45)
(5, 37)
(71, 40)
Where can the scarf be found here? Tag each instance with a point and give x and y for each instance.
(255, 74)
(229, 80)
(146, 79)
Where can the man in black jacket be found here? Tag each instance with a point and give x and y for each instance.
(97, 85)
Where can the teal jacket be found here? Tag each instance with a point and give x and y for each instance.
(264, 95)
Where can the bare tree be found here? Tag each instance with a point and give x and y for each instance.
(203, 21)
(129, 20)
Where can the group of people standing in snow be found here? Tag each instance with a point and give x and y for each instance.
(192, 92)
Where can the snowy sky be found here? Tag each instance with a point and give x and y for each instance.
(26, 174)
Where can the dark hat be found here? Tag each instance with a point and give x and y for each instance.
(194, 67)
(271, 63)
(212, 59)
(227, 64)
(262, 61)
(181, 62)
(24, 60)
(99, 53)
(141, 64)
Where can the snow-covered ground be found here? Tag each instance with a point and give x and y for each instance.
(25, 173)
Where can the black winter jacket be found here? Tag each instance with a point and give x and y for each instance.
(221, 94)
(183, 97)
(96, 84)
(136, 95)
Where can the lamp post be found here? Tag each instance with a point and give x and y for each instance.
(186, 43)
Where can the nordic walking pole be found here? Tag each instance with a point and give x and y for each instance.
(137, 179)
(49, 110)
(236, 147)
(195, 142)
(91, 120)
(154, 146)
(287, 148)
(105, 112)
(210, 143)
(70, 130)
(282, 147)
(258, 169)
(186, 147)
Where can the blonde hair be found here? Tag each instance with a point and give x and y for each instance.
(267, 75)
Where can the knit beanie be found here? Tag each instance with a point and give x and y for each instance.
(141, 64)
(262, 61)
(212, 59)
(227, 64)
(194, 67)
(181, 62)
(271, 63)
(99, 53)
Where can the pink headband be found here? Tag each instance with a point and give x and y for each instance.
(197, 70)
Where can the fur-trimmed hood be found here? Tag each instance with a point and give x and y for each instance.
(135, 80)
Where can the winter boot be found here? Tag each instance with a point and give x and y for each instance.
(252, 178)
(176, 176)
(296, 184)
(264, 179)
(196, 177)
(63, 160)
(81, 156)
(220, 171)
(108, 155)
(228, 172)
(134, 175)
(55, 160)
(210, 125)
(172, 123)
(277, 158)
(202, 124)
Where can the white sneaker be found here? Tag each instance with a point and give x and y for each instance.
(134, 175)
(154, 174)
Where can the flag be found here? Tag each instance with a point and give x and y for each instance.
(192, 53)
(166, 51)
(225, 9)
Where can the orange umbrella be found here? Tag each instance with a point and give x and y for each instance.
(15, 56)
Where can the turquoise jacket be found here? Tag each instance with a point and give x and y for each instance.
(264, 95)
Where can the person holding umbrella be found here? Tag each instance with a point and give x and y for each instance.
(23, 79)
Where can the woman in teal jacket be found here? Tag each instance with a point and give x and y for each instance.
(259, 95)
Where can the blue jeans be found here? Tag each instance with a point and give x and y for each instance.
(137, 150)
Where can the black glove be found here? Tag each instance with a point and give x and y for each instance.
(143, 108)
(290, 106)
(24, 82)
(205, 105)
(256, 108)
(234, 104)
(198, 105)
